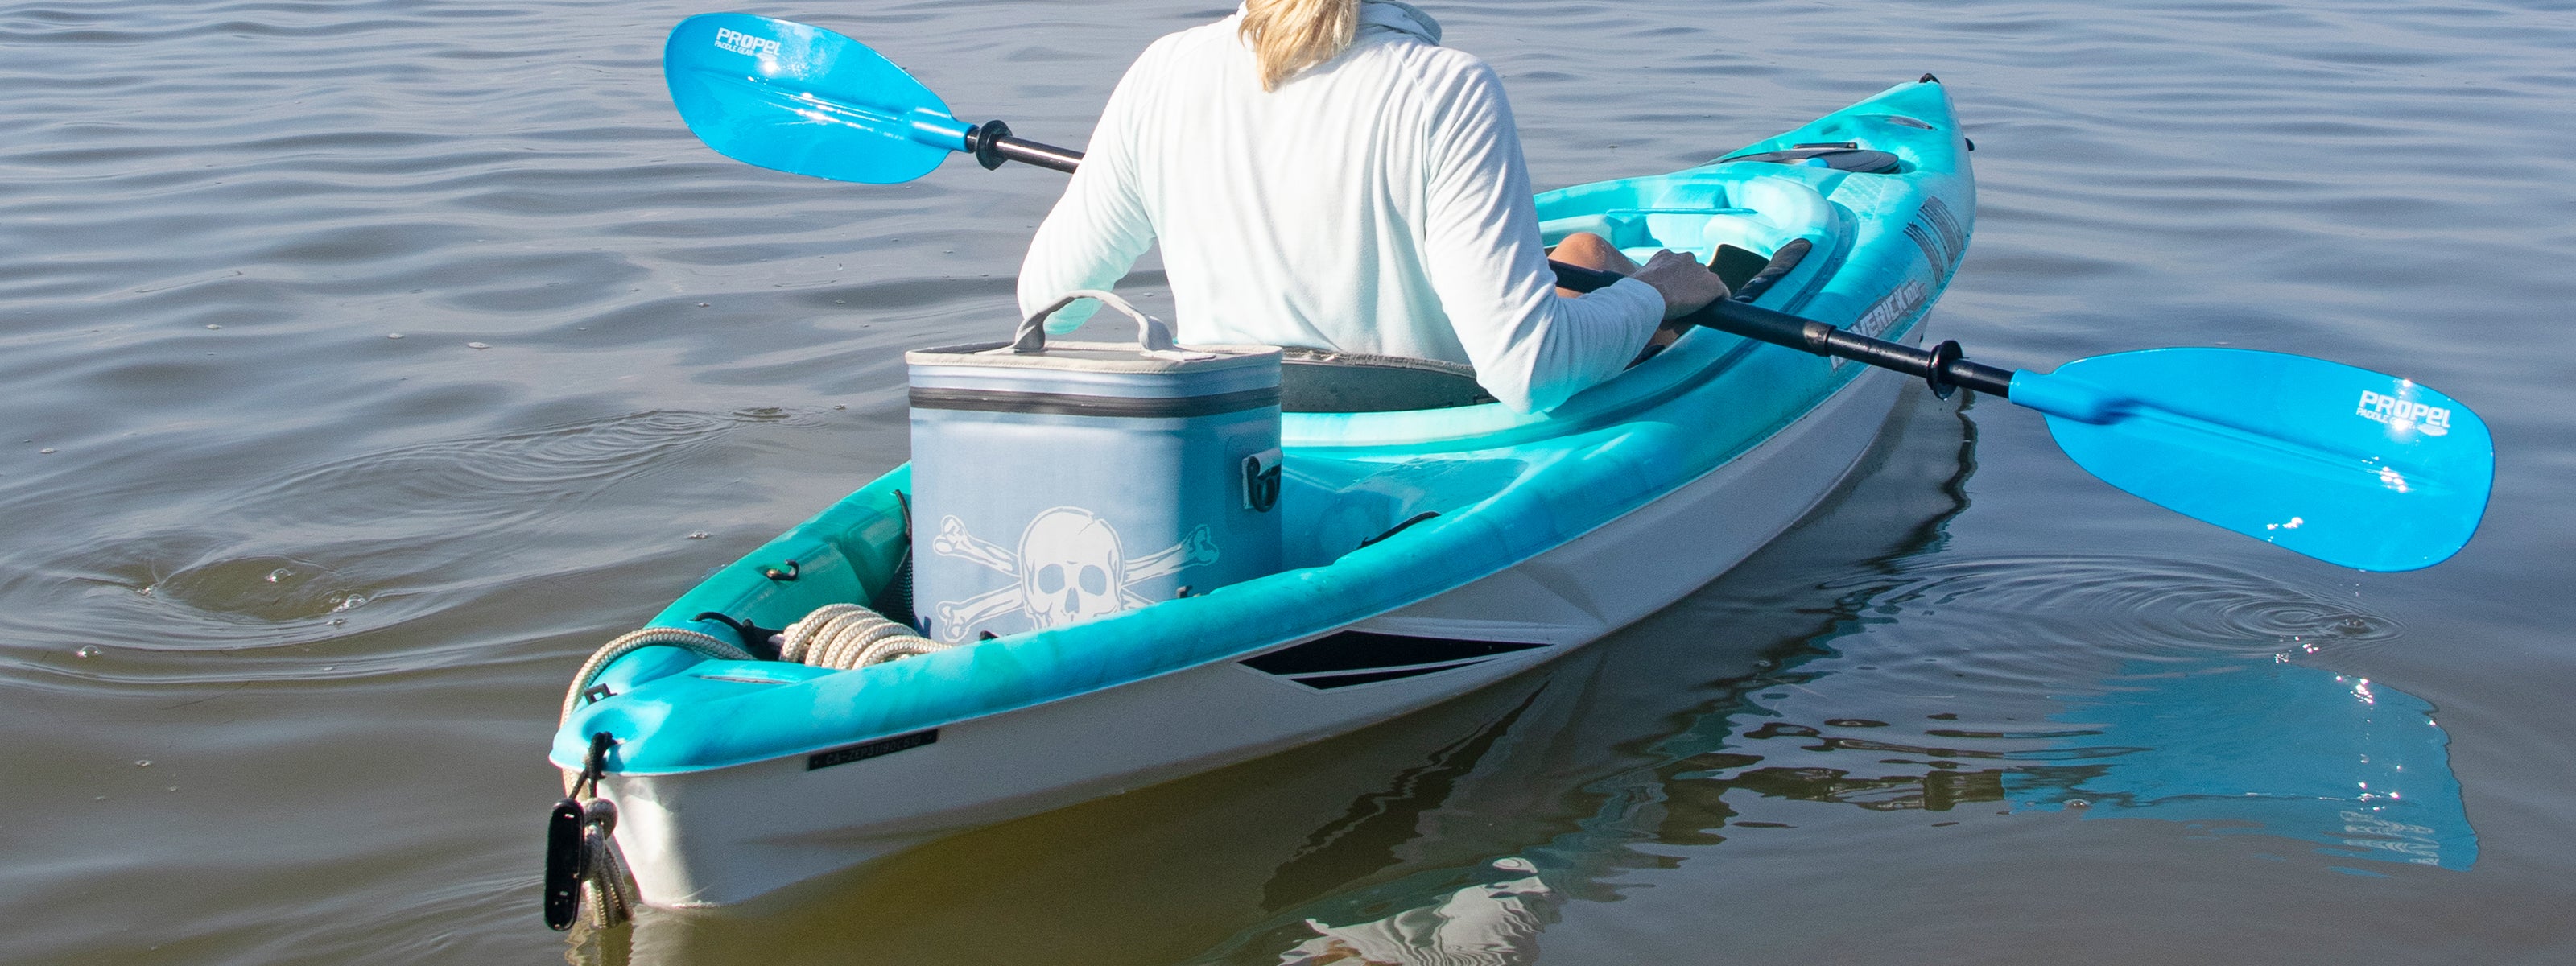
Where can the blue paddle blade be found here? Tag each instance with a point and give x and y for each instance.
(2345, 465)
(804, 100)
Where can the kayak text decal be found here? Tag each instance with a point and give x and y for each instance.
(743, 43)
(871, 749)
(2404, 414)
(1070, 567)
(1889, 310)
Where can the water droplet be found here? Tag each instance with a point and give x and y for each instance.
(349, 603)
(2078, 803)
(702, 305)
(174, 788)
(840, 301)
(278, 574)
(47, 449)
(86, 651)
(143, 763)
(330, 667)
(839, 406)
(478, 345)
(337, 621)
(700, 535)
(393, 335)
(213, 326)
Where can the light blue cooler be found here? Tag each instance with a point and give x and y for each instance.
(1058, 482)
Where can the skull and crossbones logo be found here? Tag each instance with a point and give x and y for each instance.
(1069, 567)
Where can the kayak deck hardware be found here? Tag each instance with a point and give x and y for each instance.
(761, 641)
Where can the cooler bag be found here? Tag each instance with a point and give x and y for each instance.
(1059, 482)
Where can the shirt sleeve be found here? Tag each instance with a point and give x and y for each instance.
(1531, 348)
(1099, 227)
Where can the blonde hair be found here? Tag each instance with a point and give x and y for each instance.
(1288, 36)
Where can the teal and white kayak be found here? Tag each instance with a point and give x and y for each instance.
(1429, 552)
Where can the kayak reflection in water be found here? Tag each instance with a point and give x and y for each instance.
(1494, 924)
(1322, 174)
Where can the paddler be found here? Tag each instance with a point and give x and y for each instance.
(1323, 174)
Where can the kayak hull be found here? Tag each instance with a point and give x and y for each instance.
(1430, 553)
(785, 822)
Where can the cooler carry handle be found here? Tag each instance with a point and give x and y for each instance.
(1153, 335)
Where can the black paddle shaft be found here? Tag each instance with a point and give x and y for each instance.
(991, 143)
(1942, 366)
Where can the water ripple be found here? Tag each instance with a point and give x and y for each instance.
(2121, 607)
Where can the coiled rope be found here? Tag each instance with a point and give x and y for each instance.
(847, 636)
(841, 637)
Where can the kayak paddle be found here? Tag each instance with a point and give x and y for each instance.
(2346, 465)
(804, 100)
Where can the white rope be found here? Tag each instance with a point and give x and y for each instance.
(847, 636)
(687, 640)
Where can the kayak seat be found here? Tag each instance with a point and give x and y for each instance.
(1313, 381)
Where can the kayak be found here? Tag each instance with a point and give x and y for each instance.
(1433, 544)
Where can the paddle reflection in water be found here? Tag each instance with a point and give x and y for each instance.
(2271, 747)
(1488, 924)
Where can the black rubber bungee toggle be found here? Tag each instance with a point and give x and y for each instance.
(570, 841)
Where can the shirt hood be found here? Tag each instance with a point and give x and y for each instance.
(1395, 15)
(1400, 17)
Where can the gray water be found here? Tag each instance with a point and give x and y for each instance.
(368, 362)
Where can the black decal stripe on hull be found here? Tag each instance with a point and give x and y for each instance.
(1327, 682)
(1351, 651)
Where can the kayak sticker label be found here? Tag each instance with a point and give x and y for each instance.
(1937, 232)
(746, 44)
(1890, 309)
(870, 749)
(1070, 567)
(2404, 414)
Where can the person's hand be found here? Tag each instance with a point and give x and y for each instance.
(1685, 283)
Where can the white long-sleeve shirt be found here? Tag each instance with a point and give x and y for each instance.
(1377, 203)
